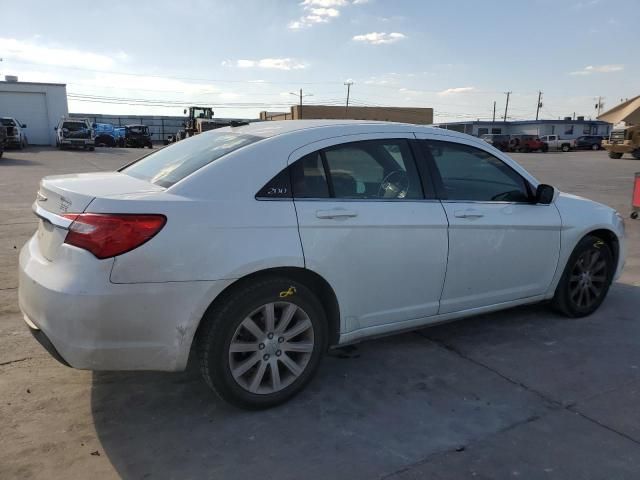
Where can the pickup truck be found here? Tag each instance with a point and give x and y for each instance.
(556, 143)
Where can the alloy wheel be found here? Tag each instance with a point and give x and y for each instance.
(588, 279)
(271, 348)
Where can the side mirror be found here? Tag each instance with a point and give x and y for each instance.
(55, 129)
(185, 111)
(24, 125)
(93, 125)
(544, 194)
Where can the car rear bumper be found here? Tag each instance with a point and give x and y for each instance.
(80, 142)
(90, 323)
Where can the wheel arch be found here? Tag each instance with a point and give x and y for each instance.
(610, 237)
(315, 282)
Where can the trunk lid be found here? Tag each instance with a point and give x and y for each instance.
(62, 194)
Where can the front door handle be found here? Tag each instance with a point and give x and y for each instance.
(336, 213)
(468, 213)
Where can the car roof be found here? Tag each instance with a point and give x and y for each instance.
(267, 129)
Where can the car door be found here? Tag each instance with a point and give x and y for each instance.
(368, 228)
(502, 247)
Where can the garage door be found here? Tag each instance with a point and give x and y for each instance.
(28, 108)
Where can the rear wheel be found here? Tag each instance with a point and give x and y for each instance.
(565, 148)
(263, 344)
(586, 278)
(595, 146)
(615, 155)
(636, 154)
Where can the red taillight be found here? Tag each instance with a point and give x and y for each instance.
(108, 234)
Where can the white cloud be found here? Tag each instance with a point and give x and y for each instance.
(324, 3)
(588, 70)
(320, 11)
(267, 63)
(453, 91)
(375, 38)
(32, 52)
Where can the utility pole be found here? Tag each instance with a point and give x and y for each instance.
(300, 104)
(494, 111)
(506, 107)
(599, 105)
(348, 83)
(300, 95)
(539, 104)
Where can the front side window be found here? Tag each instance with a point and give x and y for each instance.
(471, 174)
(173, 163)
(374, 169)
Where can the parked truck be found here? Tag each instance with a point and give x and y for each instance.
(623, 140)
(556, 143)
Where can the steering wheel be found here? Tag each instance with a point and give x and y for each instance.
(394, 185)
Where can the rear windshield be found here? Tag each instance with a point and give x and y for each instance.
(74, 126)
(173, 163)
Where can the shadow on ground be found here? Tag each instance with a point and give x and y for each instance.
(404, 399)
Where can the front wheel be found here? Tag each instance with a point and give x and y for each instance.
(636, 154)
(263, 344)
(586, 278)
(615, 155)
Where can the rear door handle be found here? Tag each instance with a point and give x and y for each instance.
(468, 213)
(336, 213)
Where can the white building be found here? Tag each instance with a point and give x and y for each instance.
(566, 128)
(37, 105)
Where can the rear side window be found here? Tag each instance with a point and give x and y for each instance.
(173, 163)
(308, 177)
(471, 174)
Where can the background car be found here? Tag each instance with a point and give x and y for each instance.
(258, 247)
(16, 136)
(591, 142)
(499, 141)
(526, 143)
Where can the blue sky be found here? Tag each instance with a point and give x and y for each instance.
(244, 56)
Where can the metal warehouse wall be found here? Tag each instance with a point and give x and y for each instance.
(38, 105)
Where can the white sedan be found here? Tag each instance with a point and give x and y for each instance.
(261, 246)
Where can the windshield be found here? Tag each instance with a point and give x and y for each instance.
(8, 122)
(173, 163)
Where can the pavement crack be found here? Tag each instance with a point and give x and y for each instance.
(449, 347)
(15, 361)
(603, 425)
(462, 447)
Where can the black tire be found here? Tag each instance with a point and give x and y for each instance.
(615, 155)
(590, 249)
(221, 323)
(91, 149)
(595, 146)
(565, 148)
(636, 154)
